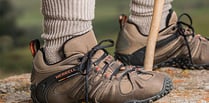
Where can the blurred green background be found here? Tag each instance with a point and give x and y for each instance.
(21, 21)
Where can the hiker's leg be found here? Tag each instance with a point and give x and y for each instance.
(141, 14)
(64, 19)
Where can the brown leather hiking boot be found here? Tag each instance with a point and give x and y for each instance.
(89, 74)
(177, 45)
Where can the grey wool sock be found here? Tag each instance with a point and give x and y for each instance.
(64, 19)
(141, 14)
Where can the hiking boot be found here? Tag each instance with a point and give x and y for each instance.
(88, 74)
(177, 45)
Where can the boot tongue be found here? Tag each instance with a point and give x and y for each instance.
(80, 45)
(171, 18)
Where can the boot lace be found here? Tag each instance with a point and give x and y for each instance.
(86, 64)
(186, 30)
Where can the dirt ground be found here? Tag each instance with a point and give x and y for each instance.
(190, 86)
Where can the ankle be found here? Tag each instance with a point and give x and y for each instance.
(52, 54)
(141, 14)
(52, 49)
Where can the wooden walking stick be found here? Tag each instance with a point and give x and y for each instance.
(153, 34)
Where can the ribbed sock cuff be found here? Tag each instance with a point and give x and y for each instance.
(64, 19)
(141, 14)
(56, 29)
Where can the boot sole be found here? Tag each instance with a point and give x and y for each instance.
(168, 86)
(183, 63)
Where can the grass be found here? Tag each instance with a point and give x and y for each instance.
(19, 60)
(15, 61)
(29, 12)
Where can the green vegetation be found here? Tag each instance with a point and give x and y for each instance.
(15, 59)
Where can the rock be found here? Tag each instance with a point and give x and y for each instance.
(190, 86)
(15, 89)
